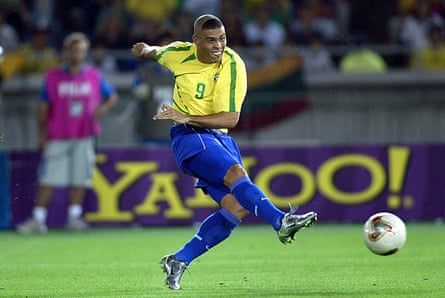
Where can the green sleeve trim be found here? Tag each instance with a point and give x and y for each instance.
(172, 49)
(233, 75)
(189, 58)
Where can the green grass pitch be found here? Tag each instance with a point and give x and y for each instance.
(326, 260)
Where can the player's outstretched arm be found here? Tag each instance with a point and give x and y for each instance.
(141, 50)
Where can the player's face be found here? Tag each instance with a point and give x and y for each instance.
(210, 44)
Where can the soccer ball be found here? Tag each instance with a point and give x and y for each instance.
(384, 233)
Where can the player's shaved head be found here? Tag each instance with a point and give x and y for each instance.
(206, 21)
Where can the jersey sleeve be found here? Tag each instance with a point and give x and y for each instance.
(170, 54)
(106, 89)
(44, 91)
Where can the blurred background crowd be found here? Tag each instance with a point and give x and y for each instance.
(329, 35)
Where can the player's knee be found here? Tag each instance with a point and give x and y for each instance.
(239, 211)
(230, 203)
(234, 173)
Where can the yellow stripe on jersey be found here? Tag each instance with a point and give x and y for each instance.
(200, 88)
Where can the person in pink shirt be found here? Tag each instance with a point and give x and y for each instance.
(74, 96)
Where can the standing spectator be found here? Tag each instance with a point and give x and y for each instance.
(73, 98)
(9, 41)
(151, 17)
(316, 57)
(233, 21)
(18, 14)
(314, 15)
(111, 28)
(259, 56)
(111, 33)
(9, 38)
(38, 55)
(262, 29)
(414, 26)
(432, 55)
(43, 12)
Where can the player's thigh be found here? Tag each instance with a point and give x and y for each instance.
(53, 169)
(82, 162)
(211, 165)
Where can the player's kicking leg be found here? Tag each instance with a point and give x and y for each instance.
(245, 192)
(254, 200)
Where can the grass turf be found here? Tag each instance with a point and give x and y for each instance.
(327, 260)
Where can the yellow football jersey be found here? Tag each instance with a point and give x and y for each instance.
(204, 89)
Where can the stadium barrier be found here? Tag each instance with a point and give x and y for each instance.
(5, 210)
(342, 183)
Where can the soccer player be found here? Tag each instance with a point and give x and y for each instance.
(73, 98)
(210, 86)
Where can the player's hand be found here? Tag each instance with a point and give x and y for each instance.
(168, 113)
(142, 50)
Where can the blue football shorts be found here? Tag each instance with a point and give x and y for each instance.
(206, 154)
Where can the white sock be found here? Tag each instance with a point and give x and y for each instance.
(39, 214)
(74, 211)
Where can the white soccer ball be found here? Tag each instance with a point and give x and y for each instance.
(384, 233)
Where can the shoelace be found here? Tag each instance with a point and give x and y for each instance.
(293, 209)
(174, 269)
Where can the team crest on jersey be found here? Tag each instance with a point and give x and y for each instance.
(216, 77)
